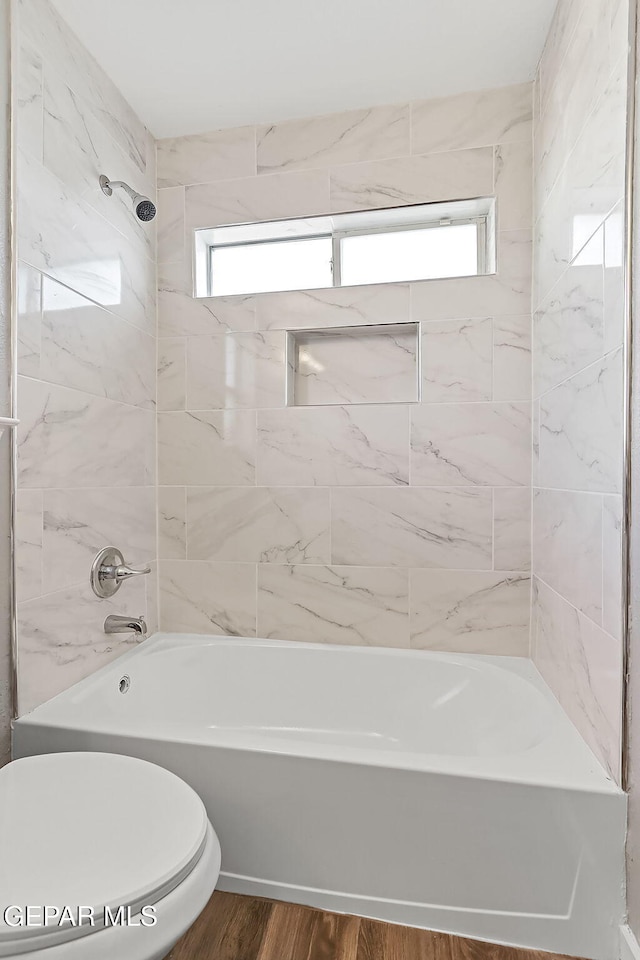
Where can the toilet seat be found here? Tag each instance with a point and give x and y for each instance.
(94, 830)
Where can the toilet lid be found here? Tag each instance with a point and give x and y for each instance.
(92, 830)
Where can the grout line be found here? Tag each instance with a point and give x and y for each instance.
(602, 566)
(393, 404)
(493, 528)
(185, 507)
(94, 303)
(572, 376)
(577, 610)
(389, 568)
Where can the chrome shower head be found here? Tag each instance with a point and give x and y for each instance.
(144, 209)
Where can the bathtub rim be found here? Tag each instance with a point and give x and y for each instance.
(565, 747)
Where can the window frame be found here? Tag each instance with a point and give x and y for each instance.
(478, 211)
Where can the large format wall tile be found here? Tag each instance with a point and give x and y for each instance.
(583, 666)
(64, 237)
(471, 443)
(79, 523)
(567, 547)
(29, 320)
(259, 524)
(207, 448)
(78, 149)
(180, 314)
(85, 347)
(336, 138)
(275, 197)
(172, 523)
(569, 326)
(29, 93)
(219, 155)
(428, 179)
(587, 191)
(237, 370)
(535, 443)
(336, 307)
(172, 374)
(577, 89)
(506, 293)
(477, 119)
(352, 605)
(333, 446)
(457, 360)
(512, 528)
(513, 187)
(171, 225)
(595, 164)
(152, 599)
(612, 574)
(438, 527)
(215, 598)
(62, 639)
(581, 429)
(71, 439)
(28, 546)
(614, 285)
(46, 31)
(470, 612)
(512, 358)
(477, 297)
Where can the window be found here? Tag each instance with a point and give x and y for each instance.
(271, 265)
(421, 242)
(411, 254)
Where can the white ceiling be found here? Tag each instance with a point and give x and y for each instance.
(188, 66)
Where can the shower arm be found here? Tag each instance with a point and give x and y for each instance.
(108, 186)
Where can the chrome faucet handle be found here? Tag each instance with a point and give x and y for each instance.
(109, 571)
(123, 572)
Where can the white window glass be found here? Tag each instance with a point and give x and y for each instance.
(267, 266)
(418, 254)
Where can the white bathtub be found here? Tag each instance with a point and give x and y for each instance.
(442, 791)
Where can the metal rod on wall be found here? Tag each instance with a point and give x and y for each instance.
(12, 420)
(629, 385)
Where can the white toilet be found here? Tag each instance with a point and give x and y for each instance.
(98, 830)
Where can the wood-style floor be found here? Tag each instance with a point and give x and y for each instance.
(244, 928)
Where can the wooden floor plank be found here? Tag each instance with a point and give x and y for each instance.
(465, 949)
(233, 927)
(289, 933)
(301, 933)
(335, 937)
(386, 941)
(229, 928)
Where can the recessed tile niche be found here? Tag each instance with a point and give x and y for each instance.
(369, 364)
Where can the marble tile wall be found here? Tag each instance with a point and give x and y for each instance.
(87, 356)
(389, 523)
(578, 363)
